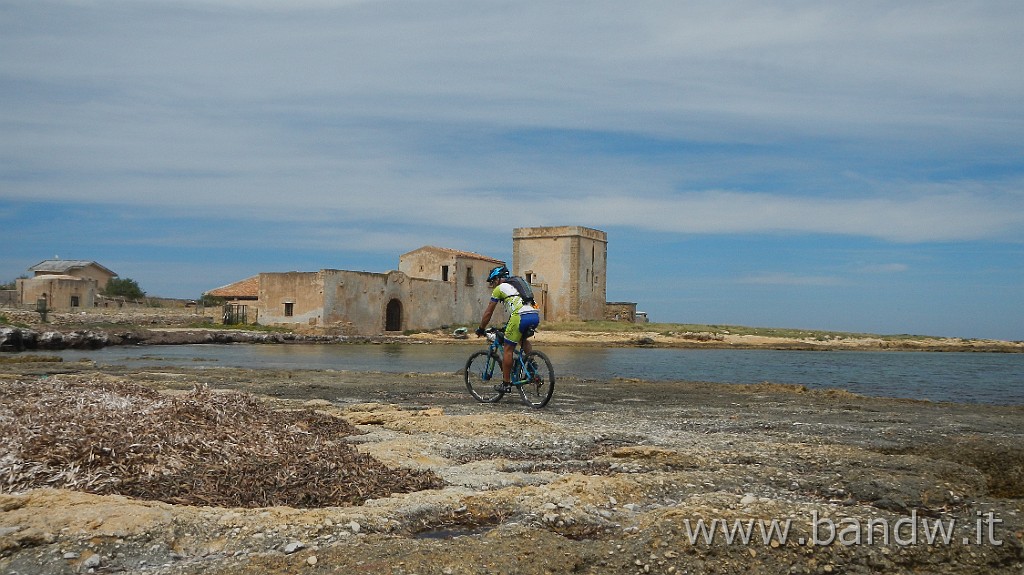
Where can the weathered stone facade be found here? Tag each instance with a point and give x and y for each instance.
(624, 311)
(84, 269)
(434, 287)
(63, 285)
(59, 292)
(569, 264)
(462, 270)
(9, 298)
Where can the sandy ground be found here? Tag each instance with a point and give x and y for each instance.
(612, 477)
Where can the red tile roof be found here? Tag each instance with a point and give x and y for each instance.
(457, 253)
(249, 287)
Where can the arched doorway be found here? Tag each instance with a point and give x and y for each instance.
(393, 316)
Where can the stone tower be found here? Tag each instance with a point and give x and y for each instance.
(567, 265)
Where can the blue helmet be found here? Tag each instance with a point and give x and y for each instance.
(499, 272)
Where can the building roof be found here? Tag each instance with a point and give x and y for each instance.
(63, 266)
(62, 277)
(559, 231)
(456, 253)
(249, 287)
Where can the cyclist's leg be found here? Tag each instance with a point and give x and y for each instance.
(506, 362)
(512, 337)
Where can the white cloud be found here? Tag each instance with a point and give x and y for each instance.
(913, 219)
(321, 111)
(788, 279)
(890, 268)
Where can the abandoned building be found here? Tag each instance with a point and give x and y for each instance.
(432, 287)
(569, 264)
(63, 285)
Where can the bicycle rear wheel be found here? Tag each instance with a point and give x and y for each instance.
(481, 367)
(536, 392)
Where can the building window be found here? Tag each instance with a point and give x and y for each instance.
(469, 275)
(74, 301)
(289, 309)
(444, 273)
(529, 278)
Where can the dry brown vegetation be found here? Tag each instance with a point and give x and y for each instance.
(107, 436)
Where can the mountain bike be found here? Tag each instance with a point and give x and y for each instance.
(532, 374)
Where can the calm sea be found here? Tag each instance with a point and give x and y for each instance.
(994, 378)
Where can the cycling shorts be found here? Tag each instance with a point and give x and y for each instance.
(520, 324)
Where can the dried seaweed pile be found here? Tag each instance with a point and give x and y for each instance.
(107, 436)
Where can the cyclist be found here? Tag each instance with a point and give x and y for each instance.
(523, 317)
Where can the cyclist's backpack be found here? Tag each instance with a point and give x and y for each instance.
(524, 289)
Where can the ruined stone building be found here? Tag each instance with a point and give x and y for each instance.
(569, 264)
(433, 287)
(63, 285)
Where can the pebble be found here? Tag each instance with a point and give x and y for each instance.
(91, 562)
(293, 547)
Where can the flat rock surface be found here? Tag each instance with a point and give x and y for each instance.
(613, 476)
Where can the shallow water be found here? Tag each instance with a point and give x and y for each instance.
(994, 378)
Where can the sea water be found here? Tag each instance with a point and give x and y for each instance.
(995, 378)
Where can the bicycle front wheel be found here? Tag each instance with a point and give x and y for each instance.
(480, 372)
(537, 390)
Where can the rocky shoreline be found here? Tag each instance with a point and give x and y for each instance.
(174, 327)
(613, 477)
(13, 339)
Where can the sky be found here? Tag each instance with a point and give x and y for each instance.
(833, 165)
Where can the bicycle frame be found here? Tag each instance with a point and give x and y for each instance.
(532, 373)
(521, 372)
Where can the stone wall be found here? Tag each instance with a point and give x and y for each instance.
(9, 298)
(620, 311)
(365, 303)
(61, 293)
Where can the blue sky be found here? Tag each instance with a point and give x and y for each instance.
(853, 166)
